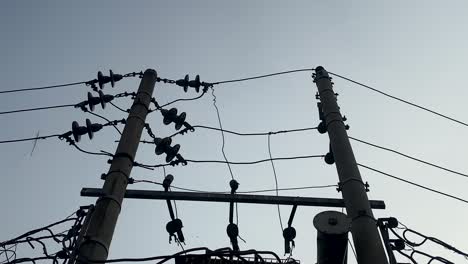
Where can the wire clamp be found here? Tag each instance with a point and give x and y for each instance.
(341, 184)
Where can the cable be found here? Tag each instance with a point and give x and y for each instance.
(242, 192)
(110, 122)
(184, 99)
(121, 109)
(42, 88)
(254, 162)
(410, 157)
(222, 132)
(36, 109)
(276, 181)
(415, 184)
(257, 134)
(28, 139)
(262, 76)
(401, 100)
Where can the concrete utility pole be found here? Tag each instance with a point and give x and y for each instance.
(369, 248)
(98, 238)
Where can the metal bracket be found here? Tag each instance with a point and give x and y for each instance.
(341, 184)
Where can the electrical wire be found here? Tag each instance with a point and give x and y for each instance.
(36, 109)
(183, 99)
(222, 132)
(399, 99)
(254, 162)
(119, 108)
(106, 119)
(413, 183)
(276, 181)
(41, 88)
(242, 192)
(28, 139)
(259, 133)
(410, 157)
(263, 76)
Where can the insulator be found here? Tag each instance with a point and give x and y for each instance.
(114, 78)
(169, 115)
(78, 131)
(102, 79)
(91, 128)
(162, 144)
(172, 152)
(289, 234)
(233, 232)
(195, 83)
(174, 226)
(167, 181)
(234, 185)
(329, 158)
(322, 128)
(392, 222)
(184, 82)
(398, 244)
(180, 120)
(102, 99)
(92, 101)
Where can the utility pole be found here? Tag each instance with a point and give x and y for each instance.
(369, 248)
(98, 237)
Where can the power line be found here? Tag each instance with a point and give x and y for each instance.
(276, 181)
(42, 88)
(28, 139)
(36, 109)
(183, 99)
(259, 133)
(409, 157)
(413, 183)
(254, 162)
(263, 76)
(401, 100)
(242, 192)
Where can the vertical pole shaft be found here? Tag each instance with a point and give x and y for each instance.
(101, 227)
(369, 248)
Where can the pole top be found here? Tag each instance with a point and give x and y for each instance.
(320, 73)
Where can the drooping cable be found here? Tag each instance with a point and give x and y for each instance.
(414, 184)
(28, 139)
(222, 132)
(276, 180)
(183, 99)
(401, 100)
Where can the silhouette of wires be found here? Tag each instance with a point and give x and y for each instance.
(401, 100)
(241, 192)
(226, 254)
(28, 139)
(409, 157)
(263, 76)
(42, 236)
(183, 99)
(414, 184)
(419, 239)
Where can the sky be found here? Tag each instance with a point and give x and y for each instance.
(415, 50)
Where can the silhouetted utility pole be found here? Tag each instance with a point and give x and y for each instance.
(366, 237)
(98, 237)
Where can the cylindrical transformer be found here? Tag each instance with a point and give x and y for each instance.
(332, 237)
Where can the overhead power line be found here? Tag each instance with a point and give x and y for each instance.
(36, 109)
(263, 76)
(410, 157)
(413, 183)
(42, 88)
(401, 100)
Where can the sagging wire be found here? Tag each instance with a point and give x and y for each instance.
(276, 180)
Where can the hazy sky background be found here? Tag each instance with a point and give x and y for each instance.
(412, 49)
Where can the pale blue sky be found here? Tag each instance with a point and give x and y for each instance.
(412, 49)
